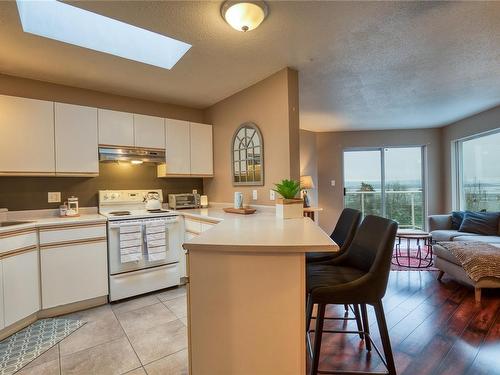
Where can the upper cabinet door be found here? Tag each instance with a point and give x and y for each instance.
(201, 150)
(116, 128)
(26, 136)
(76, 139)
(177, 147)
(149, 131)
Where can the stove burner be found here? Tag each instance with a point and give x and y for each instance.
(120, 213)
(157, 211)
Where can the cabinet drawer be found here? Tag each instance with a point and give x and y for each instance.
(18, 241)
(192, 226)
(70, 233)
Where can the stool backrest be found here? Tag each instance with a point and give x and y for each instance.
(371, 250)
(346, 228)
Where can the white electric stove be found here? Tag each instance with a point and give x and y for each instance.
(144, 246)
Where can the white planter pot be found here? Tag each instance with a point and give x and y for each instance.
(289, 208)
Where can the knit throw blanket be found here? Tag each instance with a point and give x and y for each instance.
(478, 259)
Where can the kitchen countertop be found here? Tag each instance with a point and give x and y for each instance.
(45, 218)
(258, 232)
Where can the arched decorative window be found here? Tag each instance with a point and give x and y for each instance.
(247, 151)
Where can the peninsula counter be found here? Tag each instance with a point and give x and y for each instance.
(246, 293)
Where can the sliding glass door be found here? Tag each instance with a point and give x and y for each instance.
(387, 182)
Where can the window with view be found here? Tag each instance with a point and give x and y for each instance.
(386, 181)
(479, 173)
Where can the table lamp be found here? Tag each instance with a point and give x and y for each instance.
(306, 183)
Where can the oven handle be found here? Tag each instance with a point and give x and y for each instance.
(119, 225)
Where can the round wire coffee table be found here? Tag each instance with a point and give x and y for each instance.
(423, 256)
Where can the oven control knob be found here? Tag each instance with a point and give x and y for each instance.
(113, 195)
(105, 196)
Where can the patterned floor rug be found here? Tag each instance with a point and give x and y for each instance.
(24, 346)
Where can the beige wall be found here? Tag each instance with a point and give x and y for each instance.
(309, 161)
(272, 104)
(480, 123)
(330, 146)
(29, 88)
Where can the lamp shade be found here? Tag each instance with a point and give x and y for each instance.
(306, 182)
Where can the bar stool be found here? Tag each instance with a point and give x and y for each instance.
(357, 277)
(342, 234)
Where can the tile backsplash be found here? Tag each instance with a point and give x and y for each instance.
(30, 193)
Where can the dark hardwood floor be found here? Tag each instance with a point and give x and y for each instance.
(435, 328)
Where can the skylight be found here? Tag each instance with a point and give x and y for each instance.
(66, 23)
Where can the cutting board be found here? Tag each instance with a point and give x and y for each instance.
(241, 211)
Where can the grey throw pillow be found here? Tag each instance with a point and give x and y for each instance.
(485, 223)
(456, 219)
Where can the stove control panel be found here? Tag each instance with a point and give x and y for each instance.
(125, 196)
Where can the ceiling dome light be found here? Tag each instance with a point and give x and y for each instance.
(244, 15)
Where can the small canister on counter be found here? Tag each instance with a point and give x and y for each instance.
(62, 210)
(238, 200)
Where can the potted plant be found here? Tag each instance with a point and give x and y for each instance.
(288, 206)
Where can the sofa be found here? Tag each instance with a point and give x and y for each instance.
(445, 228)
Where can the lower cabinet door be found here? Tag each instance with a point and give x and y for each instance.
(2, 319)
(73, 273)
(21, 286)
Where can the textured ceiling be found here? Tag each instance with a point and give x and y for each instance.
(377, 65)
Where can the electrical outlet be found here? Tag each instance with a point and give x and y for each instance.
(254, 195)
(272, 195)
(332, 182)
(195, 191)
(54, 196)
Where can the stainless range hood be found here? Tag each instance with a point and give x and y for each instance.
(131, 154)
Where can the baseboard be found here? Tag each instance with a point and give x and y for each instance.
(52, 312)
(17, 326)
(73, 307)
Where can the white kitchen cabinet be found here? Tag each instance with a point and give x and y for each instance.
(21, 286)
(201, 149)
(74, 263)
(73, 273)
(149, 131)
(116, 128)
(76, 140)
(177, 141)
(26, 136)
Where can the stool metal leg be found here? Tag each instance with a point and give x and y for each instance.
(318, 333)
(366, 326)
(384, 335)
(309, 312)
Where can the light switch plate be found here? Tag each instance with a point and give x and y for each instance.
(254, 195)
(54, 196)
(272, 195)
(332, 182)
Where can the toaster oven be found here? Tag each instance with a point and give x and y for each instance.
(179, 201)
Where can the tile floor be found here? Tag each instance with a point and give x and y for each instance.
(144, 335)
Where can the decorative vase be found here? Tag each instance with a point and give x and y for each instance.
(289, 208)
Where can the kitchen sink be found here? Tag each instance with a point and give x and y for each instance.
(14, 222)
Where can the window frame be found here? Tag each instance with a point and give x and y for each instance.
(457, 167)
(381, 149)
(261, 141)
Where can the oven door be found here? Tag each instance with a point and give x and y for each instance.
(132, 245)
